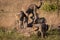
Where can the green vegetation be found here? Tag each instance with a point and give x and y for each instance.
(13, 35)
(49, 7)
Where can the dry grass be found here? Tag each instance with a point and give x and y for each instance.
(8, 9)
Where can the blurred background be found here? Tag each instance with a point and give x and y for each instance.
(9, 8)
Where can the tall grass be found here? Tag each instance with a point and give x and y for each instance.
(14, 35)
